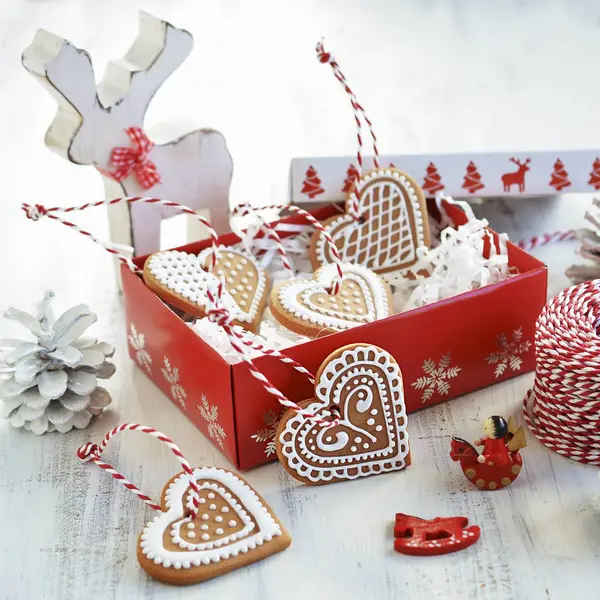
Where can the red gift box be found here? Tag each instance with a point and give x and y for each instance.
(445, 349)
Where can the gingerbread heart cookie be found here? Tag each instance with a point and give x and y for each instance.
(363, 384)
(307, 307)
(182, 279)
(234, 528)
(393, 225)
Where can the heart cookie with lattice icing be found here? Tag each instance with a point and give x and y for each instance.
(234, 527)
(182, 280)
(363, 385)
(392, 226)
(308, 307)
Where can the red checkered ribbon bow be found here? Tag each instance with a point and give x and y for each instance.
(134, 159)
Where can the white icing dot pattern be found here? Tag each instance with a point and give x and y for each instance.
(310, 300)
(378, 449)
(258, 524)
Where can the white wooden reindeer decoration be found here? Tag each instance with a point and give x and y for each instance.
(91, 122)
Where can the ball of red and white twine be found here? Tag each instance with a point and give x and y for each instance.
(563, 407)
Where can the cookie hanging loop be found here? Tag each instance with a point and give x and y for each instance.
(92, 452)
(358, 110)
(270, 232)
(36, 211)
(244, 209)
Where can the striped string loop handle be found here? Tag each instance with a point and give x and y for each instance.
(93, 452)
(546, 238)
(221, 317)
(271, 233)
(245, 209)
(358, 110)
(563, 407)
(36, 211)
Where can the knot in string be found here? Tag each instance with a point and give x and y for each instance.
(88, 451)
(34, 211)
(220, 316)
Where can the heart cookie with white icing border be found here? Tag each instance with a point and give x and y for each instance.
(394, 224)
(306, 306)
(363, 384)
(234, 527)
(182, 279)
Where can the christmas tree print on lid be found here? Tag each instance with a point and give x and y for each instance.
(516, 177)
(433, 180)
(312, 184)
(472, 180)
(560, 177)
(595, 175)
(351, 176)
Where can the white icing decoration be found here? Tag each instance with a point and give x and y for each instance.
(378, 366)
(373, 291)
(259, 528)
(372, 232)
(249, 314)
(184, 274)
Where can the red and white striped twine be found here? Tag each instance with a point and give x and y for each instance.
(221, 317)
(36, 211)
(271, 233)
(563, 407)
(325, 57)
(93, 452)
(245, 209)
(545, 239)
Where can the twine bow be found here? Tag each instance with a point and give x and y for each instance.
(134, 159)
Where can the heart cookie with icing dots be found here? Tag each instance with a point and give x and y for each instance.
(234, 528)
(393, 225)
(306, 306)
(182, 279)
(363, 384)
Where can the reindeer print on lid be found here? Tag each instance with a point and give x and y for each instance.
(516, 177)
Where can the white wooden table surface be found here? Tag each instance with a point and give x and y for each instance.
(436, 76)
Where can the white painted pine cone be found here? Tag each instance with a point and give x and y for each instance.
(51, 383)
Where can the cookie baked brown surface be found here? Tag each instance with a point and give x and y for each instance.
(182, 279)
(363, 385)
(307, 307)
(393, 225)
(235, 527)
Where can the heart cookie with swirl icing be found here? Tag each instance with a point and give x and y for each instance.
(363, 385)
(182, 279)
(393, 225)
(307, 307)
(234, 527)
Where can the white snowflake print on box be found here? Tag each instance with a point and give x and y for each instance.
(267, 433)
(138, 343)
(437, 377)
(210, 413)
(171, 374)
(509, 353)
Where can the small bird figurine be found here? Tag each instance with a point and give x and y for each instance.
(500, 462)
